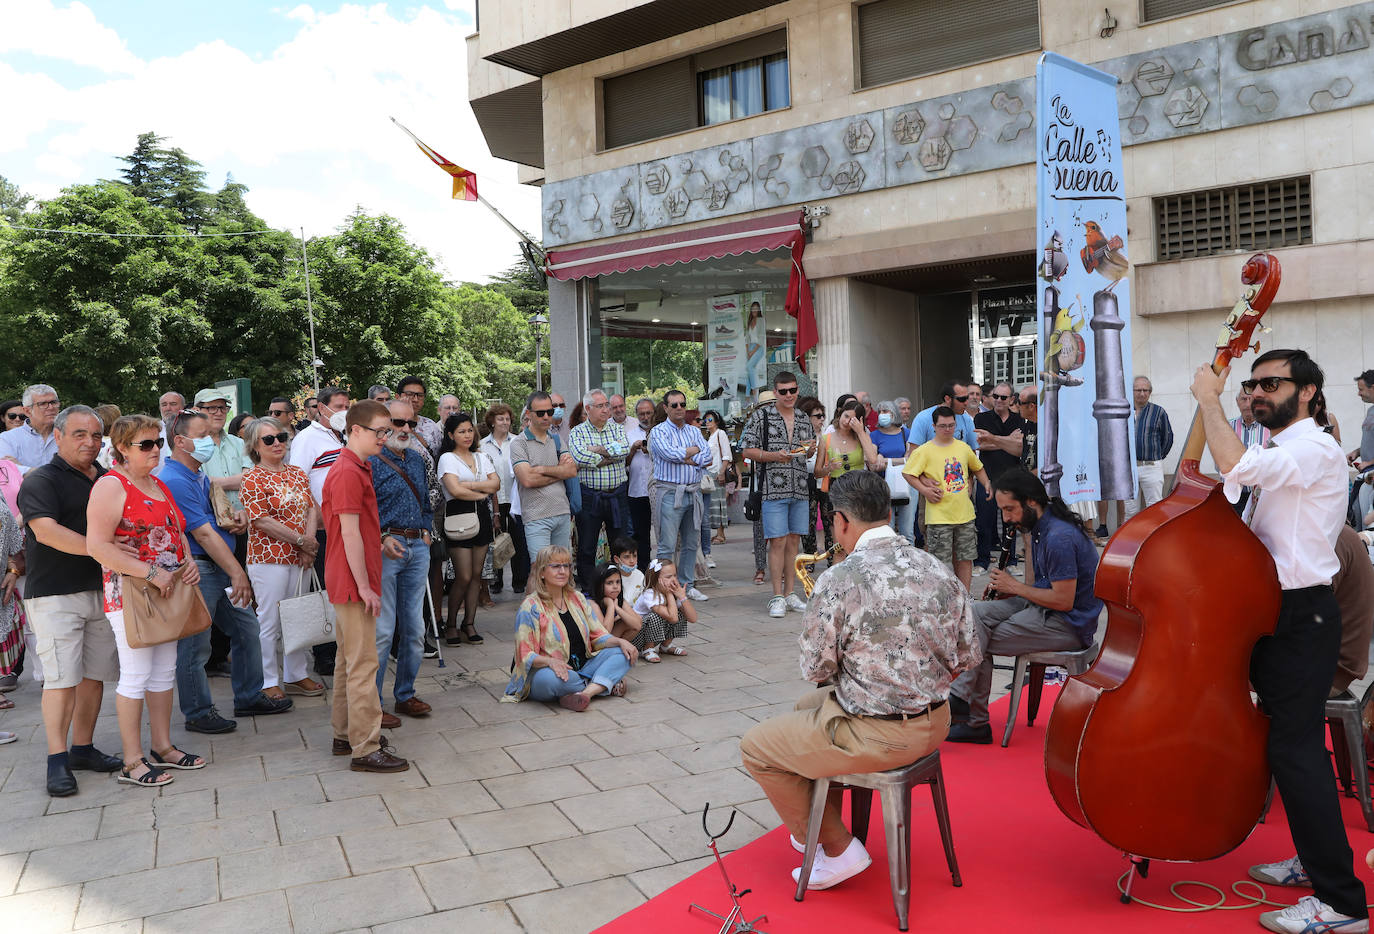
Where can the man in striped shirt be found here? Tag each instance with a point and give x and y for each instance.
(599, 447)
(1154, 438)
(679, 452)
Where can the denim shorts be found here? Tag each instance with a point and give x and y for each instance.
(785, 517)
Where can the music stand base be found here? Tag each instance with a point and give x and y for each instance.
(1139, 865)
(734, 922)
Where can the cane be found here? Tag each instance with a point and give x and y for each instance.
(434, 623)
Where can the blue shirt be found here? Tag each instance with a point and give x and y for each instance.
(1063, 552)
(191, 491)
(890, 445)
(28, 447)
(668, 444)
(1154, 436)
(397, 506)
(923, 428)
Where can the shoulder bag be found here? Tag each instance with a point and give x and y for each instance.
(152, 619)
(307, 618)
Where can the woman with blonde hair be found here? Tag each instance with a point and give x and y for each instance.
(562, 650)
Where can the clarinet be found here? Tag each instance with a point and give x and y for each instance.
(1009, 534)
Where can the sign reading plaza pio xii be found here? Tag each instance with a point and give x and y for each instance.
(1285, 69)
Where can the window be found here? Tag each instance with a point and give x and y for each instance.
(1244, 218)
(900, 39)
(1151, 10)
(725, 83)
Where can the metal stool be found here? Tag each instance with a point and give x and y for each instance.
(895, 786)
(1343, 716)
(1076, 661)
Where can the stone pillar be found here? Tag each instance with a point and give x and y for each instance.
(834, 372)
(574, 337)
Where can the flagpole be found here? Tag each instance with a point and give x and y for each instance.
(310, 310)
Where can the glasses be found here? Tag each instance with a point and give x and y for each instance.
(1001, 397)
(214, 408)
(412, 394)
(961, 398)
(279, 438)
(381, 433)
(1267, 383)
(675, 405)
(1027, 402)
(278, 413)
(945, 426)
(818, 415)
(14, 416)
(46, 404)
(542, 413)
(146, 445)
(559, 567)
(404, 423)
(787, 392)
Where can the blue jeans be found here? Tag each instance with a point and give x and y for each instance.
(904, 518)
(605, 668)
(403, 600)
(676, 522)
(240, 624)
(551, 530)
(706, 538)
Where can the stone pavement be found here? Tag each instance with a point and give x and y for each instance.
(513, 817)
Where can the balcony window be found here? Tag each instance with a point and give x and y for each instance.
(744, 89)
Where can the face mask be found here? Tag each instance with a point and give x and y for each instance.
(204, 448)
(626, 569)
(339, 420)
(557, 412)
(884, 419)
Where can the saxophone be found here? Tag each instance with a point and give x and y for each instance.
(805, 563)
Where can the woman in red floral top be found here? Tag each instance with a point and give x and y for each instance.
(131, 509)
(281, 547)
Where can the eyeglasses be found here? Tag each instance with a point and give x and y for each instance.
(146, 445)
(787, 392)
(559, 567)
(214, 408)
(1267, 383)
(675, 405)
(412, 394)
(1000, 396)
(381, 433)
(405, 423)
(961, 398)
(279, 438)
(14, 416)
(278, 413)
(47, 404)
(542, 413)
(1027, 402)
(945, 426)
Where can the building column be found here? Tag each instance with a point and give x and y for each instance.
(833, 361)
(574, 337)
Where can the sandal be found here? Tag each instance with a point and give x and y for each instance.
(618, 690)
(650, 656)
(149, 779)
(276, 693)
(5, 702)
(575, 702)
(469, 633)
(186, 760)
(759, 577)
(672, 650)
(305, 687)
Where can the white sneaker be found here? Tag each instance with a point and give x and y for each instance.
(777, 607)
(1284, 872)
(1308, 916)
(832, 870)
(796, 603)
(710, 562)
(697, 595)
(799, 846)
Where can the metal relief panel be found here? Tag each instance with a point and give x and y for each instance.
(592, 207)
(988, 128)
(839, 157)
(1169, 92)
(1302, 66)
(697, 185)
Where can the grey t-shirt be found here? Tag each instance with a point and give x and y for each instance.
(539, 502)
(1367, 435)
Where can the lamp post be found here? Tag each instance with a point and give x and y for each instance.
(537, 322)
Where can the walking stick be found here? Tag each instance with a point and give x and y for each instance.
(434, 623)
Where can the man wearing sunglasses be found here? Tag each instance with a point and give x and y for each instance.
(955, 396)
(679, 452)
(1000, 437)
(1297, 511)
(541, 466)
(33, 444)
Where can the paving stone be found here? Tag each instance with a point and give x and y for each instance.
(487, 877)
(249, 743)
(489, 737)
(654, 882)
(245, 770)
(253, 871)
(768, 712)
(713, 727)
(11, 868)
(592, 905)
(619, 808)
(421, 804)
(569, 723)
(706, 757)
(303, 762)
(717, 701)
(395, 847)
(762, 813)
(548, 753)
(780, 693)
(469, 766)
(90, 859)
(327, 907)
(640, 713)
(533, 787)
(306, 821)
(639, 768)
(350, 784)
(132, 926)
(25, 802)
(138, 894)
(681, 837)
(20, 836)
(512, 827)
(96, 789)
(492, 918)
(486, 714)
(180, 843)
(42, 911)
(265, 912)
(707, 682)
(269, 796)
(639, 739)
(600, 855)
(722, 787)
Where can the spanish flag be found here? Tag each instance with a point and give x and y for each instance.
(464, 182)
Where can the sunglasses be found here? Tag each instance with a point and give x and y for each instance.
(405, 423)
(1267, 383)
(14, 416)
(961, 398)
(1027, 402)
(278, 413)
(1000, 396)
(818, 415)
(787, 392)
(150, 444)
(279, 438)
(676, 405)
(542, 413)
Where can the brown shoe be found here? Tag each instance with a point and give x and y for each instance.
(379, 761)
(390, 721)
(342, 747)
(413, 707)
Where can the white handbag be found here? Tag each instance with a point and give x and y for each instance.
(306, 619)
(897, 486)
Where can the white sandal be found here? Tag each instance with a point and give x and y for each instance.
(672, 650)
(650, 656)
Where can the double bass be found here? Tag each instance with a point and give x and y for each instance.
(1158, 748)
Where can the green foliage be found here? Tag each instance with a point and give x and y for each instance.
(12, 200)
(669, 364)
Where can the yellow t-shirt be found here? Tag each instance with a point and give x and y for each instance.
(953, 467)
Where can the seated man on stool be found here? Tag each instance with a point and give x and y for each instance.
(889, 627)
(1058, 612)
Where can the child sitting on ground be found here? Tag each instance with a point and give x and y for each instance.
(617, 616)
(666, 612)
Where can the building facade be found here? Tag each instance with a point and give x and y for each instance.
(904, 130)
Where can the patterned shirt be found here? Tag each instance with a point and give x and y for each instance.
(891, 625)
(1154, 436)
(1251, 435)
(397, 504)
(430, 432)
(767, 431)
(591, 471)
(283, 495)
(668, 445)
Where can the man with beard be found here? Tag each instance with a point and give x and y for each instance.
(406, 517)
(1296, 509)
(1058, 612)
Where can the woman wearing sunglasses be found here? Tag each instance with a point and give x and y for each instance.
(282, 519)
(11, 414)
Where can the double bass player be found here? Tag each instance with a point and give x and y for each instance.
(1296, 509)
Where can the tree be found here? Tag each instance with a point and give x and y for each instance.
(528, 292)
(498, 337)
(13, 202)
(184, 181)
(142, 175)
(650, 365)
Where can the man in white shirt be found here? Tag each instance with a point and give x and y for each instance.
(1296, 509)
(641, 469)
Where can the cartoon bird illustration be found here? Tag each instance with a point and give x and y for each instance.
(1066, 350)
(1103, 255)
(1056, 261)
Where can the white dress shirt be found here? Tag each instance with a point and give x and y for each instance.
(641, 466)
(1299, 502)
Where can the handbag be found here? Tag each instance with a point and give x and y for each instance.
(707, 484)
(502, 550)
(219, 504)
(152, 619)
(896, 481)
(461, 524)
(753, 505)
(306, 619)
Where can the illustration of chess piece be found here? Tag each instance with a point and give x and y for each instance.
(1065, 353)
(1111, 408)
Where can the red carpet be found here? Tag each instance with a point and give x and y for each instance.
(1026, 867)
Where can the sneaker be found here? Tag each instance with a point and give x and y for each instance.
(967, 733)
(211, 723)
(697, 595)
(9, 683)
(796, 603)
(710, 562)
(1284, 872)
(777, 607)
(431, 650)
(1101, 531)
(1309, 916)
(263, 706)
(828, 871)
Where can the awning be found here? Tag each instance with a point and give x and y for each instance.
(756, 235)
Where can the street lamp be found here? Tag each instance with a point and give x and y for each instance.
(537, 322)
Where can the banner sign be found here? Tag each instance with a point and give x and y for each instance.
(736, 345)
(1087, 425)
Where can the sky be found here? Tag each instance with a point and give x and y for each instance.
(293, 100)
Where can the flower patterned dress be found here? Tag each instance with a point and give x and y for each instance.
(150, 525)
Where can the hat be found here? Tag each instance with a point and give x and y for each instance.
(211, 394)
(765, 396)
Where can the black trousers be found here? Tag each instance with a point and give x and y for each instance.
(1291, 672)
(985, 523)
(611, 509)
(520, 564)
(641, 521)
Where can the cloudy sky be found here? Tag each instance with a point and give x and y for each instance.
(293, 100)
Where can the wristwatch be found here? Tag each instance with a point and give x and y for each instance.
(300, 541)
(152, 572)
